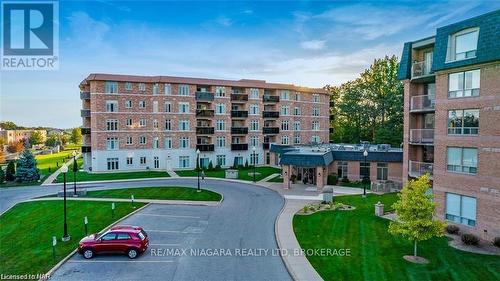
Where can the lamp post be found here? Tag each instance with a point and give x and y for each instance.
(199, 168)
(64, 170)
(75, 169)
(365, 154)
(254, 162)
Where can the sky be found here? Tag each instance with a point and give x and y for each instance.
(307, 43)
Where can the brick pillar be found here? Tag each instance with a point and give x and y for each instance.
(320, 182)
(287, 172)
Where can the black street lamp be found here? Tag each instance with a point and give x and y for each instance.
(75, 169)
(65, 238)
(254, 162)
(199, 167)
(366, 177)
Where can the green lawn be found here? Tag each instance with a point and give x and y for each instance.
(356, 184)
(376, 255)
(242, 175)
(26, 232)
(162, 193)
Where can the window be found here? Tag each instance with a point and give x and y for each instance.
(184, 107)
(284, 125)
(462, 160)
(296, 111)
(221, 160)
(463, 45)
(315, 125)
(112, 143)
(129, 140)
(112, 164)
(297, 96)
(130, 161)
(128, 104)
(220, 125)
(220, 108)
(461, 209)
(142, 87)
(183, 90)
(464, 84)
(315, 111)
(168, 143)
(109, 236)
(285, 95)
(220, 91)
(238, 161)
(155, 106)
(142, 140)
(122, 236)
(221, 141)
(128, 86)
(342, 169)
(183, 161)
(254, 93)
(156, 143)
(364, 170)
(168, 89)
(112, 125)
(142, 160)
(183, 125)
(168, 107)
(315, 139)
(254, 159)
(156, 89)
(285, 140)
(254, 125)
(168, 125)
(111, 106)
(315, 98)
(463, 122)
(142, 104)
(142, 122)
(184, 142)
(254, 109)
(296, 126)
(156, 162)
(296, 139)
(111, 87)
(254, 141)
(382, 171)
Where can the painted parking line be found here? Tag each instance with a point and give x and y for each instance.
(117, 261)
(168, 216)
(164, 231)
(166, 245)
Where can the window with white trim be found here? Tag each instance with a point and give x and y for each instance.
(168, 143)
(285, 125)
(220, 91)
(315, 97)
(184, 142)
(285, 95)
(129, 140)
(464, 84)
(254, 93)
(130, 161)
(129, 122)
(254, 141)
(168, 125)
(183, 125)
(183, 90)
(142, 87)
(155, 106)
(315, 125)
(111, 106)
(156, 89)
(296, 139)
(461, 209)
(142, 104)
(112, 163)
(315, 139)
(142, 140)
(142, 160)
(254, 125)
(285, 140)
(111, 87)
(296, 126)
(168, 89)
(128, 86)
(156, 143)
(220, 125)
(463, 122)
(461, 160)
(221, 142)
(168, 107)
(183, 161)
(142, 122)
(382, 171)
(112, 125)
(296, 111)
(221, 160)
(183, 107)
(462, 45)
(315, 111)
(128, 104)
(220, 108)
(254, 109)
(112, 143)
(285, 110)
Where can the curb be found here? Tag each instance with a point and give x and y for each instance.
(61, 262)
(278, 241)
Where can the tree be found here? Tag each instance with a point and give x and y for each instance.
(10, 172)
(9, 125)
(415, 213)
(15, 147)
(26, 167)
(64, 139)
(3, 142)
(52, 141)
(2, 175)
(76, 136)
(36, 138)
(2, 156)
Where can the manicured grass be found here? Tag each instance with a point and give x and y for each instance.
(356, 184)
(26, 232)
(377, 255)
(161, 193)
(245, 174)
(193, 173)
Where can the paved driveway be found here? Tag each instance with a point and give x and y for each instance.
(244, 220)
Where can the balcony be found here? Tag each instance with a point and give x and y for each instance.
(204, 96)
(85, 131)
(270, 98)
(204, 130)
(239, 113)
(240, 97)
(85, 112)
(265, 145)
(239, 130)
(422, 136)
(422, 103)
(86, 148)
(84, 95)
(239, 146)
(421, 69)
(270, 114)
(417, 169)
(205, 147)
(271, 130)
(204, 113)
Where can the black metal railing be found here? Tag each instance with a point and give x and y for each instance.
(239, 146)
(270, 130)
(84, 95)
(270, 114)
(205, 130)
(85, 131)
(265, 145)
(270, 98)
(239, 130)
(239, 97)
(205, 147)
(239, 113)
(204, 113)
(86, 148)
(85, 112)
(204, 96)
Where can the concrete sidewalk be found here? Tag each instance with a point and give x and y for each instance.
(268, 178)
(54, 175)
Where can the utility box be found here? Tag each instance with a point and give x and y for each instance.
(327, 194)
(379, 209)
(231, 174)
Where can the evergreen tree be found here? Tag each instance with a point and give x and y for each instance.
(26, 167)
(2, 175)
(11, 171)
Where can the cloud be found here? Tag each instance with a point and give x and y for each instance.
(223, 21)
(313, 44)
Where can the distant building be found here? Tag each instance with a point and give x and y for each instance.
(17, 135)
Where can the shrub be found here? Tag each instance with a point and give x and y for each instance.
(2, 175)
(10, 172)
(246, 163)
(469, 239)
(452, 229)
(345, 180)
(332, 179)
(217, 167)
(210, 166)
(496, 242)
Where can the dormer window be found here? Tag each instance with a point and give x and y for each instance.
(463, 45)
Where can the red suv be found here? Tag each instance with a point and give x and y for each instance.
(131, 240)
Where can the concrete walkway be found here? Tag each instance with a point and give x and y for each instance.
(268, 178)
(298, 265)
(173, 174)
(54, 175)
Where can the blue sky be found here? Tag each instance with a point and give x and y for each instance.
(309, 43)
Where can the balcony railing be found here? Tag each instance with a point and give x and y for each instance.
(422, 136)
(204, 96)
(205, 130)
(417, 169)
(85, 112)
(84, 95)
(239, 97)
(422, 103)
(463, 130)
(204, 113)
(205, 147)
(85, 131)
(86, 148)
(270, 114)
(270, 98)
(271, 130)
(421, 68)
(239, 130)
(239, 113)
(239, 146)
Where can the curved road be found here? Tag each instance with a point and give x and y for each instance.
(243, 221)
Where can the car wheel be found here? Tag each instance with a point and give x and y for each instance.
(88, 253)
(132, 253)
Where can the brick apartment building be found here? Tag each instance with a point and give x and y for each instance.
(451, 123)
(159, 122)
(11, 136)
